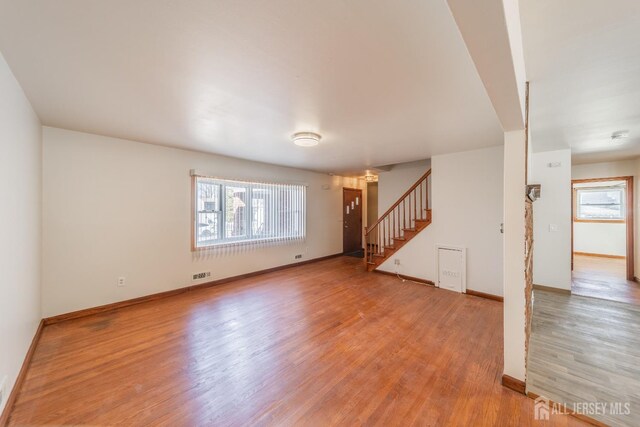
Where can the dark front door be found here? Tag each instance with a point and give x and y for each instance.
(352, 214)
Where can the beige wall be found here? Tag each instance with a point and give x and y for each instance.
(115, 208)
(20, 225)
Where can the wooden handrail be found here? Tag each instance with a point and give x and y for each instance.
(399, 223)
(397, 203)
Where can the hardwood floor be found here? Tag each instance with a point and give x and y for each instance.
(604, 278)
(320, 344)
(586, 350)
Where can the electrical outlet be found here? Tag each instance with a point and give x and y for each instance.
(298, 256)
(396, 261)
(121, 281)
(200, 276)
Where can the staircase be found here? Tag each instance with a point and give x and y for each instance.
(402, 222)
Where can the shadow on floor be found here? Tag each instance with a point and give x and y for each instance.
(356, 254)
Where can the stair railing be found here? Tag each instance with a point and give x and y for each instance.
(411, 206)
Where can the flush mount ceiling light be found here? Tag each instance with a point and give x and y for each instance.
(619, 136)
(306, 139)
(370, 178)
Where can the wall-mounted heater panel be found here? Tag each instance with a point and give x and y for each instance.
(452, 268)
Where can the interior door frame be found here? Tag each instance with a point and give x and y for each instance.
(628, 218)
(344, 190)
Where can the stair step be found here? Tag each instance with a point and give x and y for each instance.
(409, 229)
(402, 239)
(390, 247)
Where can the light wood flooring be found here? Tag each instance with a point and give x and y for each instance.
(604, 278)
(314, 345)
(586, 350)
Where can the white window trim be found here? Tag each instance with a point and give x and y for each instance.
(599, 189)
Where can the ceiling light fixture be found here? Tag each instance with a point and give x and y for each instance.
(619, 136)
(306, 139)
(370, 178)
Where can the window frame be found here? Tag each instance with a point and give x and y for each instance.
(578, 205)
(248, 207)
(249, 237)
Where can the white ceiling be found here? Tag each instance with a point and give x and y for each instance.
(583, 62)
(383, 81)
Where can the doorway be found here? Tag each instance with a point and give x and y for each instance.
(352, 221)
(602, 238)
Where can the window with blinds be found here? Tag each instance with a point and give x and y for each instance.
(230, 212)
(604, 203)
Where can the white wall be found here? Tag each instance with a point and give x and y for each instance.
(552, 219)
(394, 183)
(616, 169)
(115, 208)
(514, 263)
(605, 169)
(20, 225)
(466, 191)
(600, 238)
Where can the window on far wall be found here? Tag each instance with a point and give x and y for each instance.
(605, 203)
(229, 212)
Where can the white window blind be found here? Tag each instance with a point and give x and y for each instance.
(235, 212)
